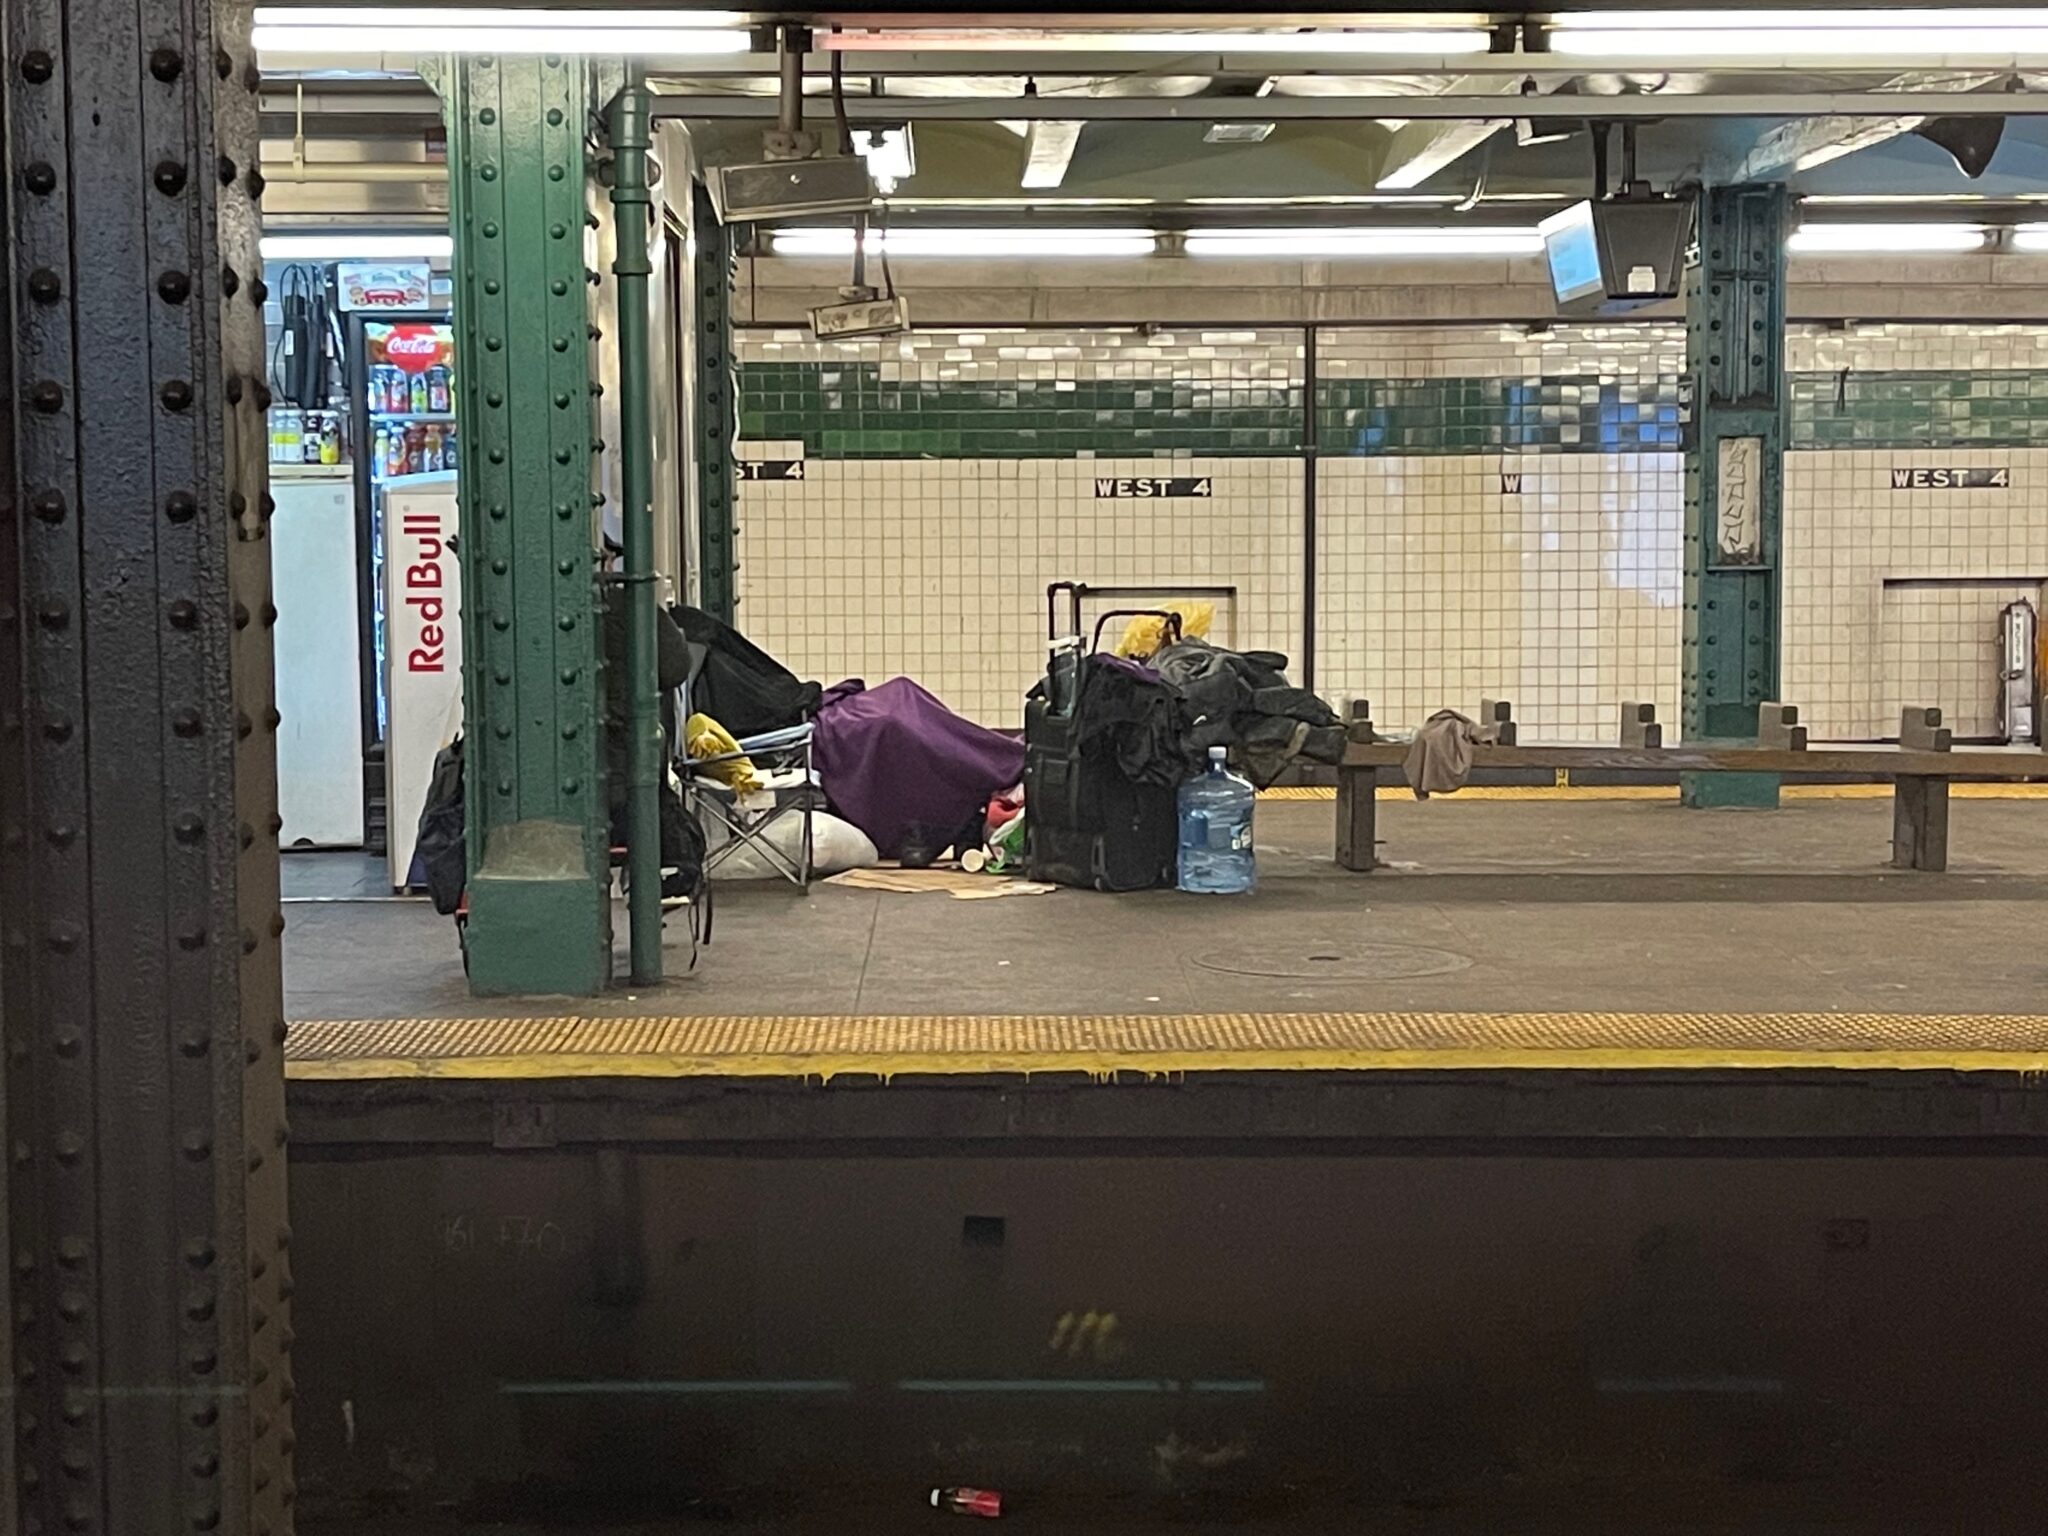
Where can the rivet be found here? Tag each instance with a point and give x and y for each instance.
(248, 941)
(255, 182)
(237, 503)
(174, 287)
(71, 1305)
(566, 622)
(565, 511)
(44, 286)
(276, 822)
(554, 173)
(488, 173)
(566, 567)
(192, 938)
(562, 399)
(490, 229)
(244, 726)
(40, 178)
(197, 1146)
(558, 231)
(199, 1253)
(487, 116)
(504, 786)
(195, 1046)
(269, 615)
(37, 67)
(561, 343)
(63, 937)
(502, 677)
(493, 343)
(504, 732)
(48, 506)
(176, 395)
(57, 728)
(47, 396)
(234, 389)
(499, 565)
(491, 285)
(69, 1148)
(229, 282)
(569, 675)
(72, 1359)
(245, 835)
(54, 614)
(496, 455)
(188, 826)
(180, 506)
(222, 64)
(68, 1045)
(259, 290)
(165, 64)
(169, 177)
(185, 721)
(500, 622)
(271, 718)
(497, 511)
(569, 731)
(554, 117)
(563, 455)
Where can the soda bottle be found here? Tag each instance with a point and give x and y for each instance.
(430, 449)
(984, 1502)
(381, 452)
(309, 438)
(437, 390)
(419, 394)
(330, 438)
(449, 458)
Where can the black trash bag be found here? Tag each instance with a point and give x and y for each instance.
(440, 851)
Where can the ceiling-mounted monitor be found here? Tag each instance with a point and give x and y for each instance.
(1617, 254)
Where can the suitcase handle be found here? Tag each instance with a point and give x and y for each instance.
(1073, 589)
(1171, 616)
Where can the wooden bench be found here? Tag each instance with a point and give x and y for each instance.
(1920, 771)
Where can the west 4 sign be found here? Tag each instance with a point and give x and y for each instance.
(1146, 487)
(1951, 479)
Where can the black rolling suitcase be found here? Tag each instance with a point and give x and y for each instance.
(1087, 822)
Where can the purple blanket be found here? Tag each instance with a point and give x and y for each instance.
(893, 757)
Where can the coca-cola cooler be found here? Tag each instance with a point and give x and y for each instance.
(401, 373)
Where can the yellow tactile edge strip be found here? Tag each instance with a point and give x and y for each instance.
(1659, 792)
(881, 1045)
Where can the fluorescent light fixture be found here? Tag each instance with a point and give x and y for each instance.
(889, 153)
(2030, 237)
(432, 29)
(1884, 239)
(1311, 243)
(1426, 41)
(968, 242)
(1912, 33)
(348, 247)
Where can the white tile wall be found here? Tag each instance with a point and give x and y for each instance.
(1847, 532)
(1437, 587)
(1940, 644)
(1434, 587)
(937, 569)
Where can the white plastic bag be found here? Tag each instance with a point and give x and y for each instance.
(835, 846)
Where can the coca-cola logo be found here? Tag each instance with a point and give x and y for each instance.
(412, 350)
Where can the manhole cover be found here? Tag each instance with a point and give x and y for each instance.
(1335, 962)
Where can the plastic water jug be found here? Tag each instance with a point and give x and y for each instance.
(1216, 831)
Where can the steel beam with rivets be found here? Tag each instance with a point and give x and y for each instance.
(140, 994)
(1734, 478)
(715, 413)
(535, 790)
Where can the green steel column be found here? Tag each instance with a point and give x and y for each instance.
(717, 414)
(1734, 479)
(540, 911)
(631, 211)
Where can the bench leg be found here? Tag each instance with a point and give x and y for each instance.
(1920, 824)
(1357, 818)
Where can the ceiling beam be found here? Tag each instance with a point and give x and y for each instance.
(1803, 145)
(1048, 150)
(1208, 109)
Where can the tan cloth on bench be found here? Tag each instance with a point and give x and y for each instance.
(1441, 755)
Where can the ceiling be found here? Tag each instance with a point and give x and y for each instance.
(1103, 125)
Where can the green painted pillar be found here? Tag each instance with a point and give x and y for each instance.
(539, 893)
(1734, 480)
(715, 414)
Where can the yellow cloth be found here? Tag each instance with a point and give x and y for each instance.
(705, 737)
(1144, 633)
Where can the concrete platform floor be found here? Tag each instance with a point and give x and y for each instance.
(1492, 906)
